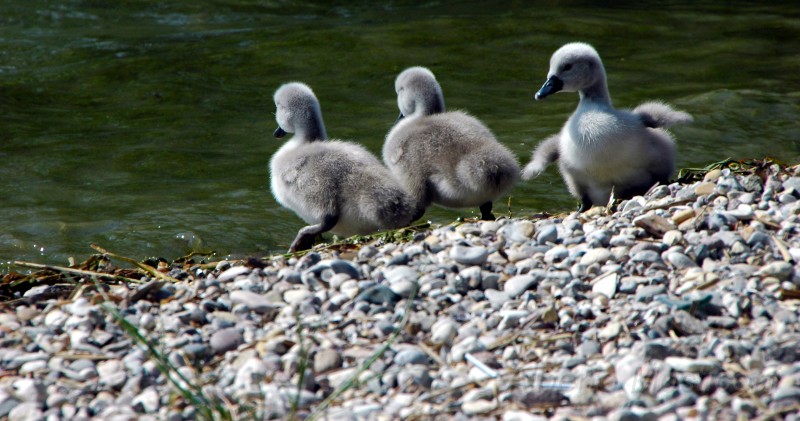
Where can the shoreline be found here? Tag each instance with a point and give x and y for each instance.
(682, 304)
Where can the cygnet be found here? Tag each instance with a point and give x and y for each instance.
(331, 184)
(447, 158)
(600, 148)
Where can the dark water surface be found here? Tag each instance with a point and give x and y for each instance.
(146, 127)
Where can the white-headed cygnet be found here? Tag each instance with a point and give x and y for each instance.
(447, 158)
(331, 184)
(601, 148)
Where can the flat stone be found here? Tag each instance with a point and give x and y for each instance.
(326, 360)
(296, 296)
(647, 292)
(443, 331)
(693, 365)
(469, 255)
(403, 288)
(378, 294)
(654, 224)
(596, 255)
(400, 273)
(255, 302)
(411, 355)
(519, 284)
(607, 285)
(704, 188)
(147, 402)
(680, 260)
(547, 234)
(233, 273)
(112, 373)
(610, 331)
(225, 340)
(778, 269)
(478, 407)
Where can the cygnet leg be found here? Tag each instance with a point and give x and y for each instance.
(305, 237)
(586, 203)
(486, 211)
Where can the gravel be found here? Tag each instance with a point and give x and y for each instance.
(681, 305)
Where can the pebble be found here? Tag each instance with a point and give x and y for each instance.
(692, 365)
(469, 255)
(225, 340)
(326, 360)
(607, 286)
(255, 302)
(519, 284)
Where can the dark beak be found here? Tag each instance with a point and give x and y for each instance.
(279, 132)
(399, 118)
(553, 85)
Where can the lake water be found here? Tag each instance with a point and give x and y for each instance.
(146, 127)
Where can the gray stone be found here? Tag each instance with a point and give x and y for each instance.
(693, 365)
(326, 360)
(646, 256)
(547, 234)
(398, 273)
(469, 255)
(607, 286)
(378, 294)
(147, 402)
(680, 260)
(778, 269)
(596, 255)
(112, 373)
(255, 302)
(588, 348)
(519, 284)
(233, 273)
(646, 293)
(411, 355)
(225, 340)
(403, 288)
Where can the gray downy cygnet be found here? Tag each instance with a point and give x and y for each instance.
(447, 158)
(331, 184)
(601, 148)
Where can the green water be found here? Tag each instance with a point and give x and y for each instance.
(146, 127)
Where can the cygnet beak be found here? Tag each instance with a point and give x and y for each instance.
(399, 118)
(279, 132)
(553, 85)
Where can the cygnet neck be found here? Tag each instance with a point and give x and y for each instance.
(596, 93)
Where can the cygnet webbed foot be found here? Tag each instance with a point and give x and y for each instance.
(306, 236)
(486, 212)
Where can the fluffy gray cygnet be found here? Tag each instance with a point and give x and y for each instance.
(331, 184)
(601, 148)
(447, 158)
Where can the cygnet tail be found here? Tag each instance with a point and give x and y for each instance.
(545, 154)
(657, 114)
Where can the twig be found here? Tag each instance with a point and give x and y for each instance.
(492, 373)
(147, 268)
(780, 411)
(73, 271)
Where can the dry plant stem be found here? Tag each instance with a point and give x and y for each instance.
(147, 268)
(72, 271)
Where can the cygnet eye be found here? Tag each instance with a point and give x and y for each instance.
(567, 67)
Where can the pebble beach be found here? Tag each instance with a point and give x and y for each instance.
(681, 304)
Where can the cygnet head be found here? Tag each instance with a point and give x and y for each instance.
(297, 111)
(418, 92)
(575, 67)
